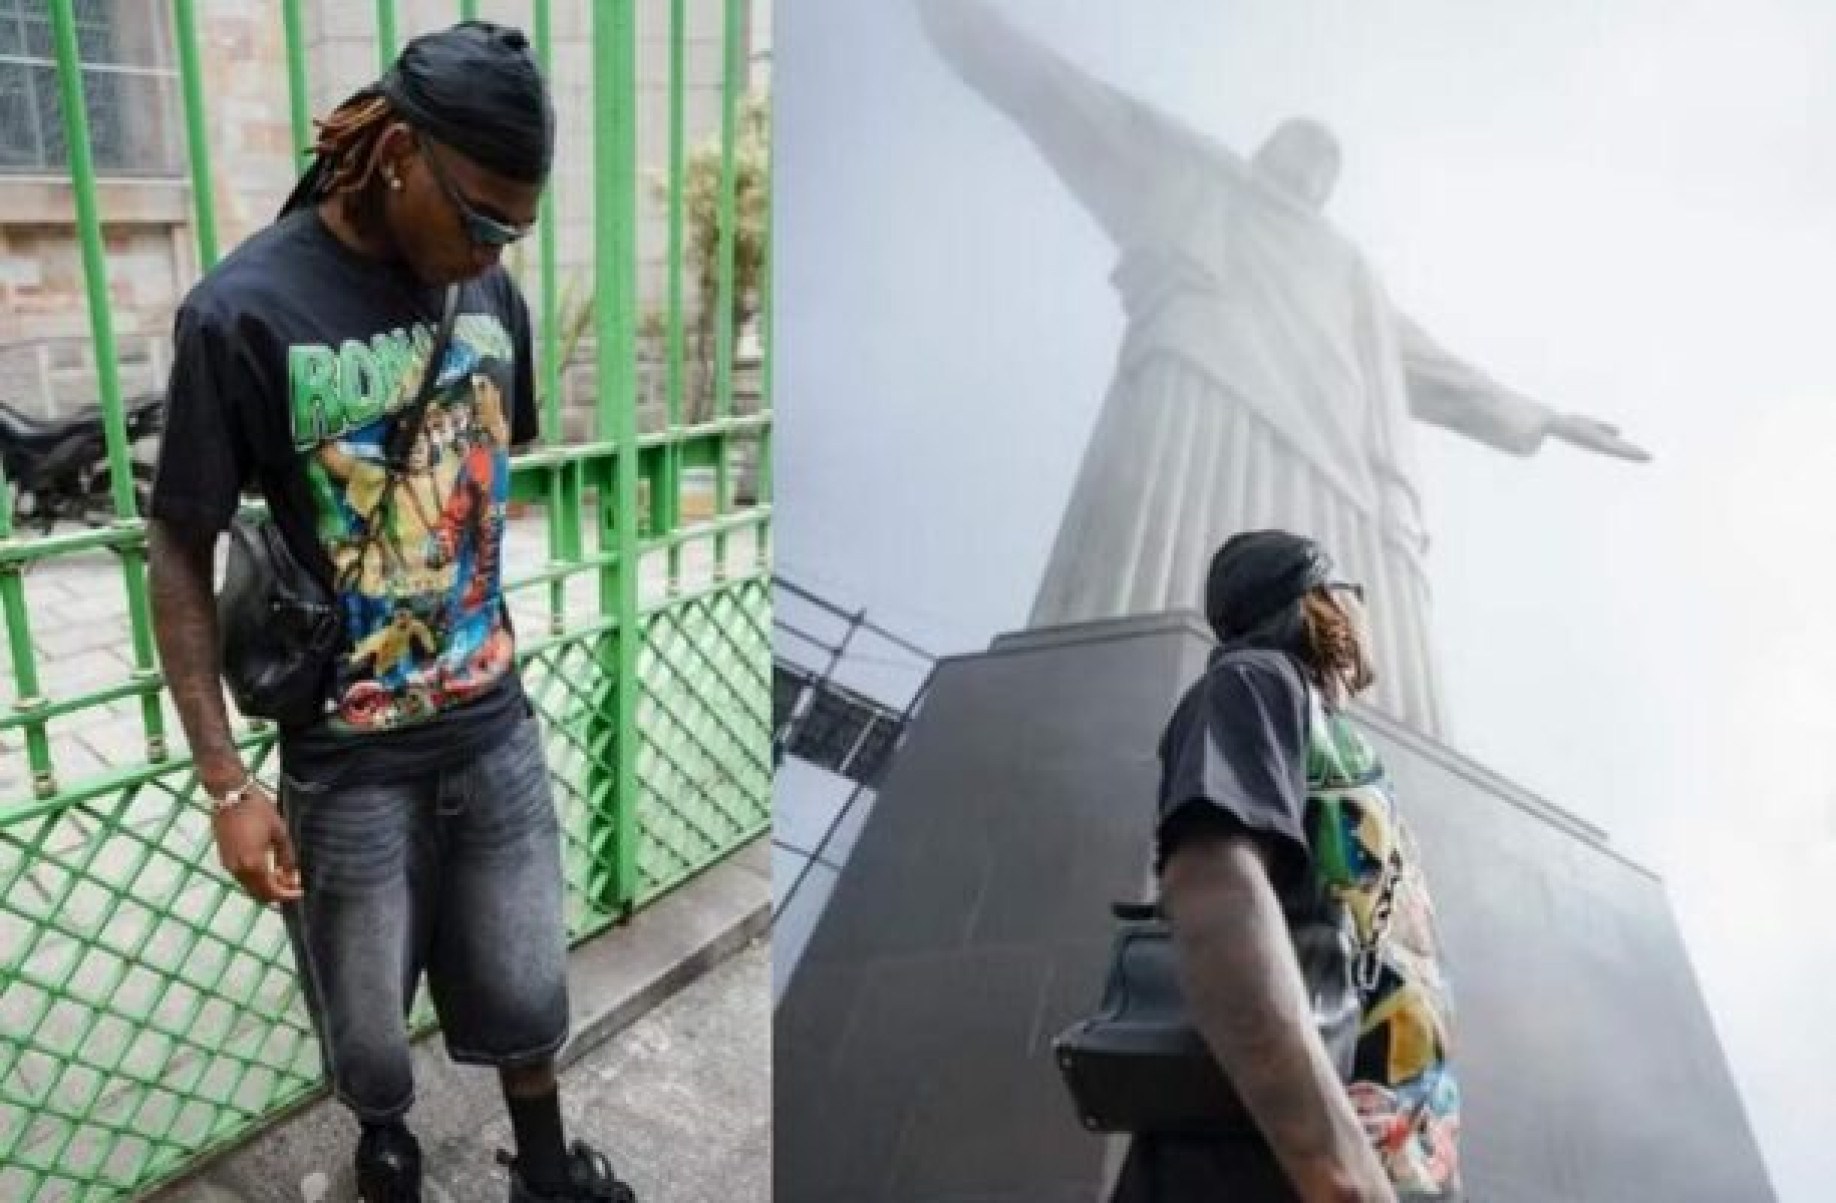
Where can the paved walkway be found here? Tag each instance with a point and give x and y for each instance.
(681, 1101)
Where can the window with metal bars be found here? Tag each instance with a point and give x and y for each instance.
(787, 686)
(130, 88)
(840, 730)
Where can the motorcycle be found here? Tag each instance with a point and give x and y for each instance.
(58, 468)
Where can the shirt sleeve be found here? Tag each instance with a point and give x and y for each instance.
(525, 415)
(1234, 755)
(204, 460)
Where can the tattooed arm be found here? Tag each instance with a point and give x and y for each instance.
(1239, 972)
(185, 626)
(251, 837)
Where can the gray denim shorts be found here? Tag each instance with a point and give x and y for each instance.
(456, 874)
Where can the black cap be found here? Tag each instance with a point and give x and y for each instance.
(477, 88)
(1258, 574)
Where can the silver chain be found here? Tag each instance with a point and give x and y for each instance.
(1368, 965)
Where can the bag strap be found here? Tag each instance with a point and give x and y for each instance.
(399, 440)
(407, 427)
(1367, 958)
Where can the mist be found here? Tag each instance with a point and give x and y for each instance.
(1626, 212)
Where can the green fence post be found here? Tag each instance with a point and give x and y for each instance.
(545, 234)
(385, 34)
(296, 81)
(762, 536)
(197, 131)
(614, 294)
(559, 540)
(19, 645)
(102, 334)
(671, 477)
(95, 263)
(732, 65)
(726, 249)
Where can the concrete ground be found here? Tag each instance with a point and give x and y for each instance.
(668, 1072)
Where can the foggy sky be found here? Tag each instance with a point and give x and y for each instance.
(1626, 210)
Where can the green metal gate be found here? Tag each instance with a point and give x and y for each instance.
(148, 1009)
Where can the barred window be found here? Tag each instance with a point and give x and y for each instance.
(130, 88)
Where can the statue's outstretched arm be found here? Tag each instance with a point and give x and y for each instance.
(1118, 155)
(1448, 392)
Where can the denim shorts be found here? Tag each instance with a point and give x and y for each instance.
(456, 874)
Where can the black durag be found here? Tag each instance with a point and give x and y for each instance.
(476, 88)
(1256, 582)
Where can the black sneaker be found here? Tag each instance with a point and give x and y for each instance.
(388, 1166)
(589, 1180)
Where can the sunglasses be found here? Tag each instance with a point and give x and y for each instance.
(482, 230)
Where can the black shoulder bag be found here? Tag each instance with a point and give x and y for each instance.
(277, 618)
(1139, 1065)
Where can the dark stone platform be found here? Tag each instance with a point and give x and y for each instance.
(970, 926)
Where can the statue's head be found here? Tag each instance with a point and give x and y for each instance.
(1270, 588)
(1302, 159)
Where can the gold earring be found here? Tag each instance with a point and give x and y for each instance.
(395, 182)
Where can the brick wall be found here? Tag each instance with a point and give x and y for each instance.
(151, 250)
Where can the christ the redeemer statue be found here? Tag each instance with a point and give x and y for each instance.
(1265, 379)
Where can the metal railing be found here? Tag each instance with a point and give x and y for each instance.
(148, 1011)
(834, 744)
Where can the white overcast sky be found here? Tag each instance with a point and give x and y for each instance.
(1624, 209)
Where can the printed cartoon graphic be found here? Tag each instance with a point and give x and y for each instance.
(416, 552)
(1405, 1093)
(471, 521)
(389, 647)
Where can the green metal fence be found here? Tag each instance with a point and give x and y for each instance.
(148, 1010)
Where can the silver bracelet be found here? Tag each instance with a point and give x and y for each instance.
(234, 797)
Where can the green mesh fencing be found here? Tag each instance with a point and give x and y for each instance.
(149, 1012)
(703, 770)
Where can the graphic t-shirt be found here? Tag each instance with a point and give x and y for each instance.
(291, 361)
(1251, 746)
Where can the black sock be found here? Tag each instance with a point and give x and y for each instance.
(396, 1125)
(541, 1154)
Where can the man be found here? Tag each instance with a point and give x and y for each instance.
(418, 831)
(1265, 378)
(1274, 812)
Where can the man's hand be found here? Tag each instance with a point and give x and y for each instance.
(253, 844)
(252, 840)
(1595, 435)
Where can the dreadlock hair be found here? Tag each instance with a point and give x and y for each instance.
(346, 145)
(344, 156)
(1332, 647)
